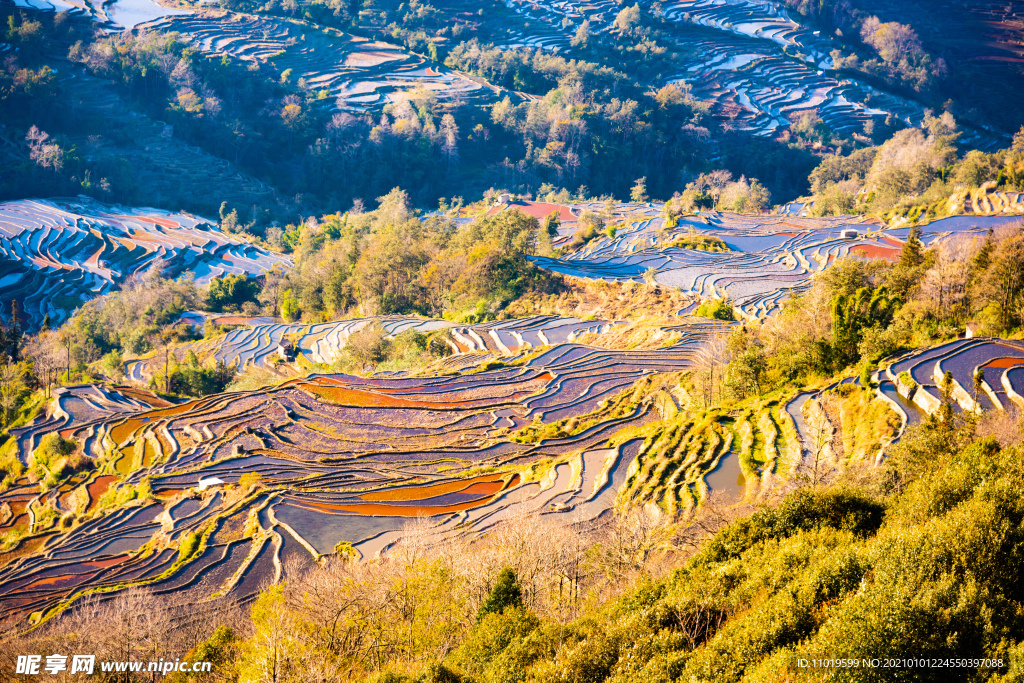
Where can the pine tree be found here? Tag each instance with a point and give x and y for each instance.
(983, 259)
(979, 380)
(505, 593)
(945, 412)
(14, 334)
(913, 251)
(852, 315)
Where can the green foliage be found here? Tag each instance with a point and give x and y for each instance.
(865, 376)
(249, 480)
(121, 494)
(230, 292)
(700, 242)
(16, 398)
(187, 546)
(113, 363)
(192, 379)
(747, 373)
(438, 673)
(505, 593)
(912, 254)
(388, 262)
(56, 459)
(142, 315)
(290, 310)
(496, 641)
(851, 316)
(716, 309)
(841, 509)
(345, 549)
(220, 649)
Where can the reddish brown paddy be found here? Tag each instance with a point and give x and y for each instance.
(875, 251)
(486, 490)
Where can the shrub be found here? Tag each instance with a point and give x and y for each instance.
(699, 242)
(220, 650)
(438, 673)
(113, 364)
(191, 379)
(52, 447)
(231, 292)
(249, 479)
(842, 508)
(908, 381)
(368, 346)
(716, 309)
(188, 546)
(57, 457)
(492, 635)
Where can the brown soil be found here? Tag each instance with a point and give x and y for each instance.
(97, 488)
(875, 251)
(361, 398)
(382, 510)
(491, 483)
(603, 301)
(1004, 363)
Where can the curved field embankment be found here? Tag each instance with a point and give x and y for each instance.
(360, 75)
(986, 374)
(323, 344)
(770, 257)
(56, 252)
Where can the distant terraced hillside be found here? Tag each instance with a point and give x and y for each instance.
(771, 257)
(110, 16)
(60, 253)
(982, 41)
(358, 74)
(760, 66)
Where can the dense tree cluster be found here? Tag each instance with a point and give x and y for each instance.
(388, 261)
(915, 173)
(895, 51)
(593, 127)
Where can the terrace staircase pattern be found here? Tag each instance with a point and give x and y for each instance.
(58, 254)
(322, 344)
(998, 364)
(359, 75)
(770, 258)
(343, 460)
(758, 65)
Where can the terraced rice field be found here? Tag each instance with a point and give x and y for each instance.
(59, 253)
(918, 375)
(78, 408)
(109, 16)
(344, 462)
(754, 60)
(359, 74)
(322, 343)
(770, 257)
